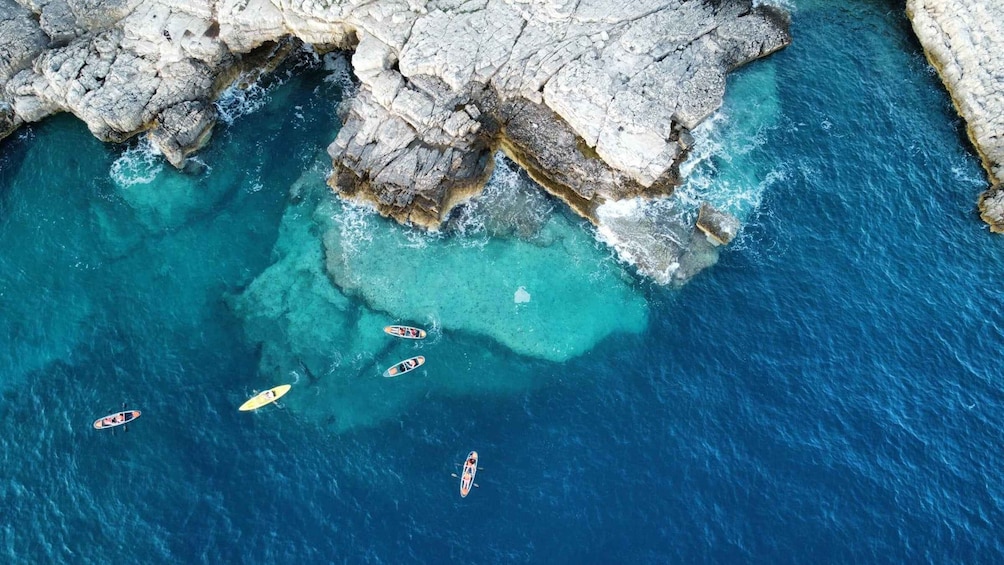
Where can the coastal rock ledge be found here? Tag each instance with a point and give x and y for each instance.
(964, 41)
(594, 98)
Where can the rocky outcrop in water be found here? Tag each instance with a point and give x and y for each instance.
(991, 204)
(121, 66)
(964, 41)
(595, 98)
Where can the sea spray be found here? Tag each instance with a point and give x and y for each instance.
(339, 74)
(724, 169)
(240, 99)
(253, 90)
(140, 163)
(653, 235)
(511, 204)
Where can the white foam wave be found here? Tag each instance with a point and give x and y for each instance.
(244, 97)
(198, 164)
(355, 223)
(419, 239)
(340, 73)
(777, 176)
(707, 144)
(650, 234)
(139, 164)
(786, 5)
(722, 170)
(510, 204)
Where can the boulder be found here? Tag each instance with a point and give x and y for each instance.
(721, 228)
(183, 129)
(991, 204)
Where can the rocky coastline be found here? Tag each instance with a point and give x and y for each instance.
(964, 41)
(594, 98)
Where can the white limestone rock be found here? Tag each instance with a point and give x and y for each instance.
(21, 39)
(593, 97)
(125, 66)
(964, 41)
(627, 78)
(619, 73)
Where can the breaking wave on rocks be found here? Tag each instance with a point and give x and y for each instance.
(658, 237)
(139, 164)
(653, 235)
(244, 97)
(511, 205)
(339, 73)
(251, 91)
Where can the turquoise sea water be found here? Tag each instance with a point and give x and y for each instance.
(826, 392)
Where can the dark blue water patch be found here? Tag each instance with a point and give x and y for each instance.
(864, 346)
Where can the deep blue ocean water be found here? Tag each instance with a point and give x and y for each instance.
(827, 392)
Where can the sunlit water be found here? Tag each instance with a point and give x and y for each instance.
(826, 392)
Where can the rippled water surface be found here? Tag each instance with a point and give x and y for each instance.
(826, 392)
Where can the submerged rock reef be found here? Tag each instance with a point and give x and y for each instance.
(594, 98)
(964, 41)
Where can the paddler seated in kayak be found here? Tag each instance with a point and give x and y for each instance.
(107, 421)
(269, 394)
(119, 417)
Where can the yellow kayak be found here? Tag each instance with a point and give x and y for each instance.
(265, 397)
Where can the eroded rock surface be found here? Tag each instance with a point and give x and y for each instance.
(964, 41)
(720, 227)
(595, 98)
(991, 205)
(123, 66)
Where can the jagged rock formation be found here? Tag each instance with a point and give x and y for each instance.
(595, 98)
(20, 41)
(964, 41)
(991, 204)
(122, 66)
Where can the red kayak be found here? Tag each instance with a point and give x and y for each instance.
(470, 470)
(117, 419)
